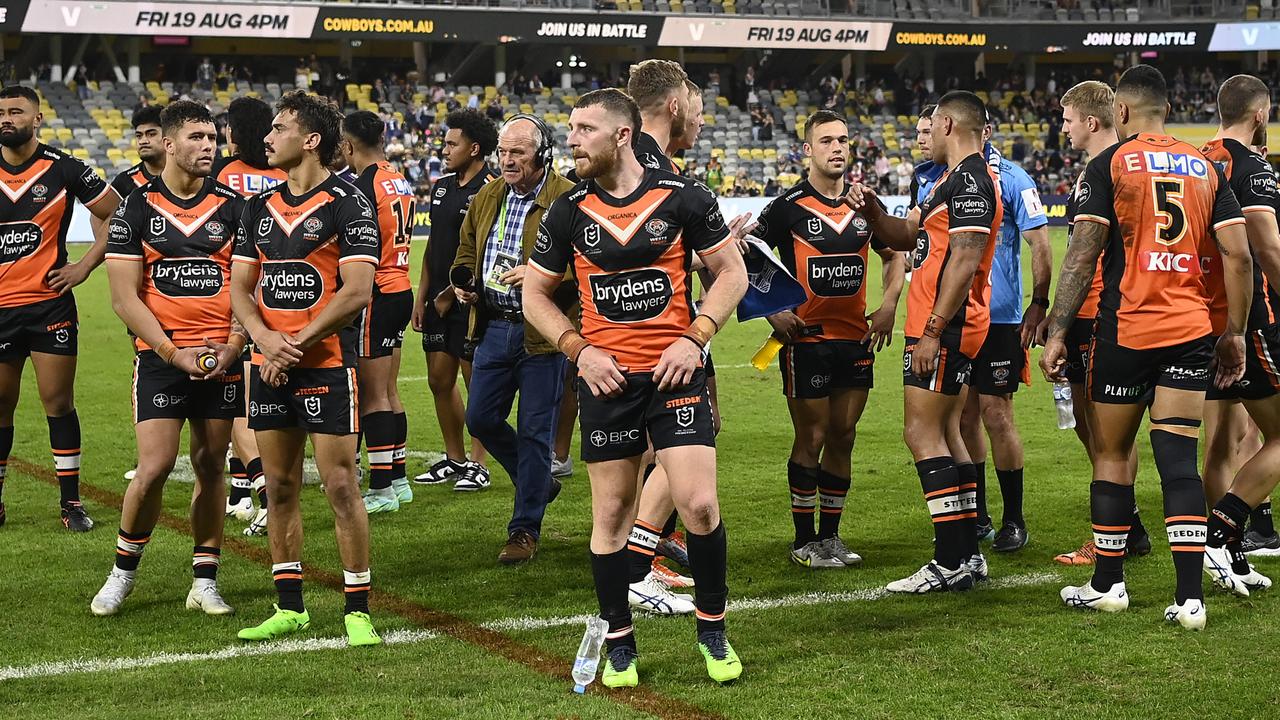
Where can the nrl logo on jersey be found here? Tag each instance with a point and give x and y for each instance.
(591, 236)
(157, 225)
(815, 226)
(264, 226)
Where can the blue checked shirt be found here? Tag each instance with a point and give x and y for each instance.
(506, 239)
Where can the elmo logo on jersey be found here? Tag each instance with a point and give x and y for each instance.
(291, 285)
(836, 275)
(18, 240)
(187, 277)
(1159, 161)
(632, 296)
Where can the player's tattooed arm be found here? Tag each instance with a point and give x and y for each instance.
(957, 276)
(1088, 239)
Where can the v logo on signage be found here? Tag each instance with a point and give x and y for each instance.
(1250, 36)
(70, 16)
(696, 31)
(643, 209)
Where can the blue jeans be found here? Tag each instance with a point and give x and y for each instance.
(502, 368)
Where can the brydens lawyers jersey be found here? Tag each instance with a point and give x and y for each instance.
(964, 200)
(631, 257)
(449, 204)
(132, 179)
(1088, 310)
(299, 243)
(823, 243)
(185, 249)
(35, 214)
(245, 178)
(1161, 200)
(1253, 183)
(392, 198)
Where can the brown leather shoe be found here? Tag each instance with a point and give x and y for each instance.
(520, 547)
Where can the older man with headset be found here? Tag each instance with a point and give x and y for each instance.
(494, 244)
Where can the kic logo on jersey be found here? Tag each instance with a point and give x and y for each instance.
(1175, 262)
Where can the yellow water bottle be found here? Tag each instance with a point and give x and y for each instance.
(767, 352)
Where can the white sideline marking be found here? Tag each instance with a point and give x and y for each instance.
(407, 637)
(768, 603)
(71, 667)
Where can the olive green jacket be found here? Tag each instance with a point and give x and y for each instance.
(474, 235)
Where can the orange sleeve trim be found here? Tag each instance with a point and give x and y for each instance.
(970, 228)
(1229, 222)
(123, 256)
(545, 271)
(359, 258)
(245, 260)
(728, 239)
(1259, 208)
(101, 195)
(1094, 219)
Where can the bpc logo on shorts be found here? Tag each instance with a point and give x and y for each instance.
(599, 438)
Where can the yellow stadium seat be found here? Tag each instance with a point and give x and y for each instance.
(114, 134)
(64, 134)
(771, 153)
(722, 101)
(717, 152)
(47, 135)
(1005, 127)
(709, 119)
(366, 88)
(744, 154)
(80, 153)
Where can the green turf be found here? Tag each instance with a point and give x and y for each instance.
(995, 652)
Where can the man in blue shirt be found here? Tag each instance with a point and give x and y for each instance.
(1003, 361)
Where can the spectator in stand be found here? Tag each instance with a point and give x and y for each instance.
(714, 175)
(903, 174)
(494, 111)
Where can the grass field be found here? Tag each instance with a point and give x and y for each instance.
(475, 640)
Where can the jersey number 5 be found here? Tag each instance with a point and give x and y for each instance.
(1171, 216)
(402, 208)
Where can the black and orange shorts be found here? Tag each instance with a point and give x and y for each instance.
(318, 400)
(951, 375)
(622, 427)
(161, 391)
(382, 323)
(49, 326)
(1125, 376)
(1002, 364)
(812, 370)
(1079, 338)
(1261, 368)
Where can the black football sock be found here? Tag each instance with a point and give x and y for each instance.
(1110, 507)
(239, 481)
(940, 482)
(1184, 507)
(968, 522)
(398, 459)
(380, 439)
(641, 546)
(1011, 492)
(288, 579)
(355, 586)
(129, 547)
(257, 481)
(64, 440)
(609, 572)
(1136, 528)
(205, 560)
(1259, 519)
(832, 490)
(6, 447)
(804, 501)
(708, 558)
(984, 517)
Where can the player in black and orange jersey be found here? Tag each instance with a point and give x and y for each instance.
(631, 233)
(1088, 124)
(245, 169)
(169, 263)
(1235, 489)
(1150, 206)
(383, 322)
(149, 142)
(304, 268)
(37, 310)
(831, 338)
(661, 90)
(468, 143)
(953, 233)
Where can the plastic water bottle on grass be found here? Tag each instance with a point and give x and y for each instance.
(1063, 402)
(588, 660)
